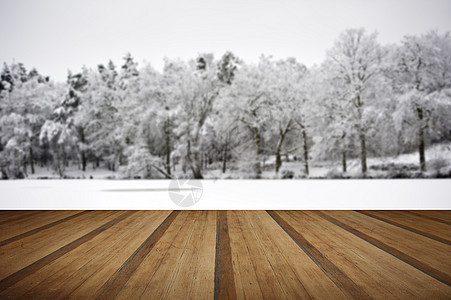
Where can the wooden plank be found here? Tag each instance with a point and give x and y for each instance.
(334, 273)
(183, 283)
(117, 281)
(224, 286)
(61, 277)
(203, 282)
(267, 280)
(442, 216)
(29, 222)
(298, 275)
(162, 280)
(413, 224)
(152, 278)
(418, 263)
(10, 216)
(39, 229)
(37, 265)
(19, 254)
(246, 281)
(380, 274)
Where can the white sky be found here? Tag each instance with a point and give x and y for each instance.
(57, 35)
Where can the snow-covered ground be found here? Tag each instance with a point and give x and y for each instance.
(227, 194)
(237, 194)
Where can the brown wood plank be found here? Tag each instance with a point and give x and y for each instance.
(30, 222)
(39, 229)
(117, 281)
(250, 250)
(334, 273)
(380, 274)
(246, 278)
(224, 281)
(298, 275)
(400, 219)
(61, 277)
(37, 265)
(418, 264)
(152, 278)
(117, 245)
(196, 261)
(19, 254)
(442, 216)
(10, 216)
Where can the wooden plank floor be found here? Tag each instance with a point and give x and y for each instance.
(225, 254)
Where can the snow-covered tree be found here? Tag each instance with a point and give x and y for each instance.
(23, 111)
(423, 69)
(355, 59)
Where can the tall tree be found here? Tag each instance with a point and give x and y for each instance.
(423, 69)
(355, 59)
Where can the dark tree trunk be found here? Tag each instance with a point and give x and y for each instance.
(168, 148)
(421, 142)
(304, 137)
(279, 149)
(363, 151)
(224, 158)
(343, 162)
(31, 159)
(83, 153)
(196, 166)
(362, 138)
(258, 168)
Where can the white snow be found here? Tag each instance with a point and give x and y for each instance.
(228, 194)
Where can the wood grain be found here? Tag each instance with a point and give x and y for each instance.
(39, 229)
(335, 274)
(224, 281)
(115, 283)
(225, 255)
(34, 267)
(420, 265)
(400, 219)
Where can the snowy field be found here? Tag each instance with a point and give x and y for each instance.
(228, 194)
(102, 193)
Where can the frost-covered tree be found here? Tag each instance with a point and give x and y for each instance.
(23, 112)
(287, 101)
(423, 69)
(249, 103)
(355, 60)
(196, 87)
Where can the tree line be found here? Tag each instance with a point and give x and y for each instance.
(364, 100)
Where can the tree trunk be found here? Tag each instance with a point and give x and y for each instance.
(304, 137)
(361, 137)
(31, 159)
(343, 162)
(257, 166)
(83, 153)
(421, 143)
(168, 149)
(224, 158)
(279, 148)
(196, 165)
